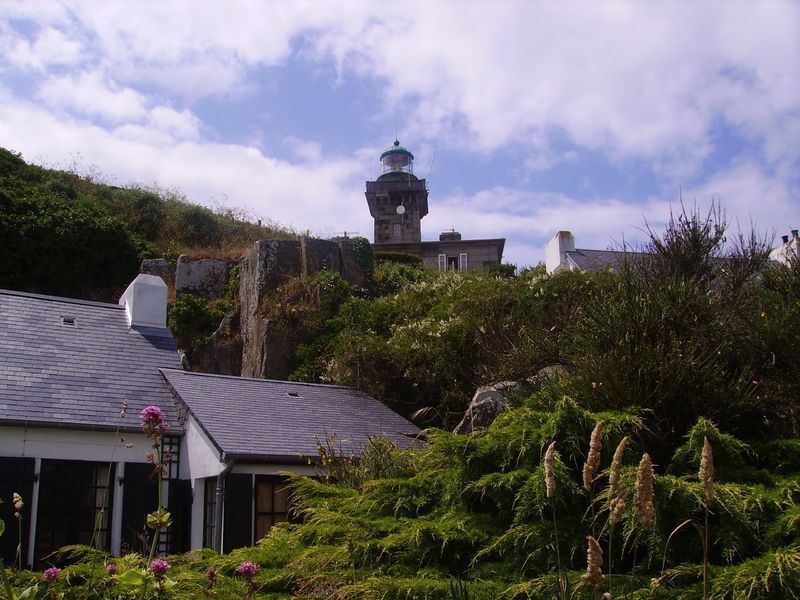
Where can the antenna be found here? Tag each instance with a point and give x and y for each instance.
(433, 158)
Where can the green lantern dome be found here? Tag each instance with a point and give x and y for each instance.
(397, 158)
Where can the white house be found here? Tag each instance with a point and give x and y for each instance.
(69, 368)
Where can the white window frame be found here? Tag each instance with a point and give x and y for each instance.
(462, 261)
(397, 230)
(443, 262)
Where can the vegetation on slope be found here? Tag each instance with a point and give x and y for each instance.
(68, 235)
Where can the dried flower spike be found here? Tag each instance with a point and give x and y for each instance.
(594, 564)
(707, 470)
(614, 474)
(593, 460)
(643, 499)
(617, 507)
(549, 475)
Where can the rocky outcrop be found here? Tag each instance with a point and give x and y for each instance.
(488, 402)
(162, 267)
(268, 345)
(205, 277)
(221, 353)
(249, 343)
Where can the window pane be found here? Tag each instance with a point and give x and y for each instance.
(264, 492)
(281, 499)
(263, 525)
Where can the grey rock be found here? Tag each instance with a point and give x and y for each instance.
(162, 267)
(206, 277)
(488, 402)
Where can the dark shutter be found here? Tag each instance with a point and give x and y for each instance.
(180, 506)
(139, 498)
(16, 475)
(238, 525)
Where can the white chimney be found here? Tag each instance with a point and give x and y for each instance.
(555, 253)
(145, 302)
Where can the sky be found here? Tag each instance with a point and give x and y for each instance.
(525, 117)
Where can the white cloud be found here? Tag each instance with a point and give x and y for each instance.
(92, 94)
(180, 124)
(324, 197)
(50, 48)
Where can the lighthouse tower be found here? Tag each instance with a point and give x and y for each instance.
(397, 199)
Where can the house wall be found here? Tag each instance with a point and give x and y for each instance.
(66, 444)
(41, 443)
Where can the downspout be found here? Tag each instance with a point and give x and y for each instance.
(218, 499)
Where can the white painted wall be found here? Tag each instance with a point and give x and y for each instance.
(276, 469)
(201, 457)
(66, 444)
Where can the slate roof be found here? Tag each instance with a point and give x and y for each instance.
(258, 419)
(594, 261)
(58, 375)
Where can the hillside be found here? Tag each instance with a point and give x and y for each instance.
(68, 235)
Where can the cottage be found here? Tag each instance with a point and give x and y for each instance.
(74, 376)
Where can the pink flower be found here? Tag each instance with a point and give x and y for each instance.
(211, 574)
(51, 575)
(152, 420)
(247, 570)
(111, 569)
(158, 567)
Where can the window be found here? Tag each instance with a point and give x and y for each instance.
(396, 232)
(462, 261)
(209, 506)
(272, 503)
(74, 503)
(442, 262)
(452, 263)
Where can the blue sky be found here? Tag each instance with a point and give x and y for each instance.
(586, 116)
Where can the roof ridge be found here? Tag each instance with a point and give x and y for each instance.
(621, 251)
(4, 292)
(164, 370)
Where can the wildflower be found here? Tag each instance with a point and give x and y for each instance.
(158, 567)
(707, 470)
(247, 569)
(593, 460)
(643, 499)
(51, 575)
(111, 570)
(549, 476)
(152, 420)
(594, 564)
(616, 464)
(17, 503)
(211, 575)
(124, 410)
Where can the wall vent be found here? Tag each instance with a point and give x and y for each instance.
(293, 394)
(68, 321)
